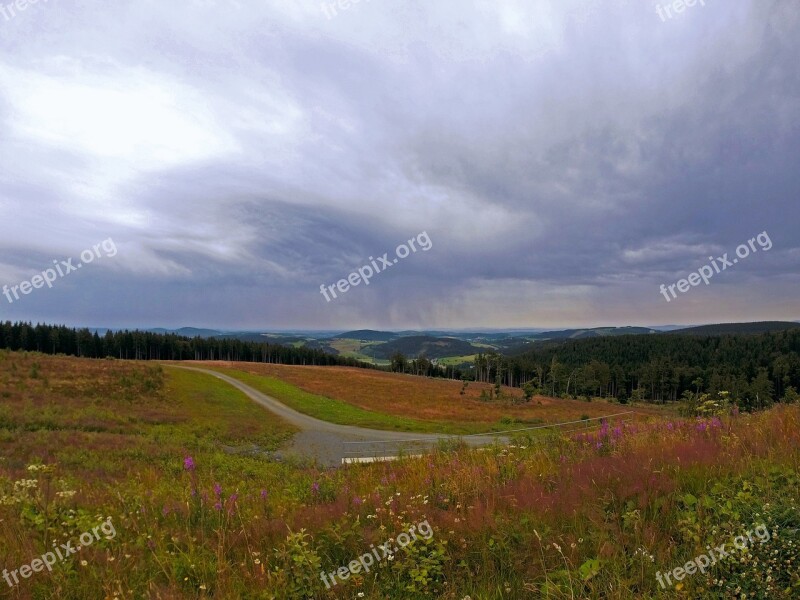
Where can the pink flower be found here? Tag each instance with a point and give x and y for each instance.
(188, 463)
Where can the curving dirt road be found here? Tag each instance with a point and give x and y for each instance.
(330, 443)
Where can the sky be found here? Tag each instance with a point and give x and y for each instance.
(222, 163)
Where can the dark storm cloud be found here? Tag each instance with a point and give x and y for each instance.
(565, 158)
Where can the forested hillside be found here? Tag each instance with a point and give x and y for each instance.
(755, 369)
(427, 346)
(145, 345)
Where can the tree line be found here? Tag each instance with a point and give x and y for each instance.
(145, 345)
(756, 370)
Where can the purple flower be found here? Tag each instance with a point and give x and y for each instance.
(218, 505)
(263, 494)
(188, 463)
(357, 501)
(315, 487)
(218, 490)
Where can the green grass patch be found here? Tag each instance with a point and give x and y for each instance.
(342, 413)
(221, 414)
(454, 361)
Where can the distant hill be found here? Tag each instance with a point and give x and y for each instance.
(190, 332)
(734, 328)
(367, 335)
(576, 334)
(431, 347)
(267, 338)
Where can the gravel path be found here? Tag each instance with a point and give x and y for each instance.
(326, 441)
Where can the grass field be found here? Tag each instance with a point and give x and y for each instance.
(455, 361)
(395, 401)
(583, 516)
(358, 350)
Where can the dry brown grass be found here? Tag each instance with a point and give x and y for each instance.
(425, 398)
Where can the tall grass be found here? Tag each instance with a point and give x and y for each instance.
(591, 515)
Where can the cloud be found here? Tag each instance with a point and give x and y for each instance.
(566, 158)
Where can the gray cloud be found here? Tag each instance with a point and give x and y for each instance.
(566, 159)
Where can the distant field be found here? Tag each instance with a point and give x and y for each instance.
(419, 399)
(358, 350)
(454, 361)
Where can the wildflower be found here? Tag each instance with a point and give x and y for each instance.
(263, 494)
(315, 488)
(188, 463)
(218, 490)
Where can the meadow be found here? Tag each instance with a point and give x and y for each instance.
(382, 400)
(179, 462)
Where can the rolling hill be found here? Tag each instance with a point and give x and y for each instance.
(431, 347)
